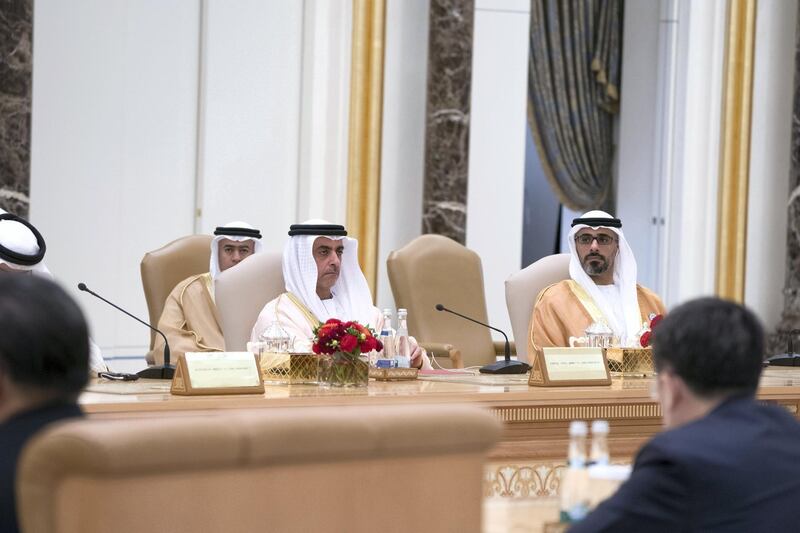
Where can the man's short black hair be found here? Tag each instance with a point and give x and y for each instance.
(44, 343)
(715, 346)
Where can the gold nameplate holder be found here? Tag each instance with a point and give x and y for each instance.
(217, 373)
(568, 367)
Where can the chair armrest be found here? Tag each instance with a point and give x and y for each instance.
(444, 351)
(500, 347)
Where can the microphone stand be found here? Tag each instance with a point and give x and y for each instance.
(507, 366)
(786, 359)
(165, 371)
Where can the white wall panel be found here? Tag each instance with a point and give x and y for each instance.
(644, 79)
(250, 115)
(770, 148)
(403, 148)
(322, 185)
(689, 193)
(113, 145)
(497, 149)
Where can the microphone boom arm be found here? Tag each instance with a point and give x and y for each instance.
(440, 307)
(84, 288)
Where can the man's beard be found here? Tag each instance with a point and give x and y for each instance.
(595, 264)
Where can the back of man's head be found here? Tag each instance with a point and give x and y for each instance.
(714, 346)
(44, 346)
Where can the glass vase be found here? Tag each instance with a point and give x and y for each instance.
(342, 369)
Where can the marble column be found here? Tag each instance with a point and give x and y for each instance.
(447, 118)
(790, 319)
(16, 54)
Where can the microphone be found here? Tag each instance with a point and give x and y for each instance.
(165, 371)
(500, 367)
(786, 359)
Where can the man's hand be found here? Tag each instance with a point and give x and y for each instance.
(417, 359)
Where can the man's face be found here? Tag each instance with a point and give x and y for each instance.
(597, 250)
(232, 252)
(328, 256)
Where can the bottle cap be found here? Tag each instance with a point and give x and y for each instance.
(578, 428)
(600, 426)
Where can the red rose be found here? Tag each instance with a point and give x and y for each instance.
(326, 348)
(656, 319)
(645, 339)
(378, 345)
(349, 343)
(369, 344)
(315, 348)
(333, 321)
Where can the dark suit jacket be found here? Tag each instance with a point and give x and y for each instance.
(736, 469)
(14, 434)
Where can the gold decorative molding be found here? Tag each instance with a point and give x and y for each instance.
(534, 480)
(525, 480)
(577, 412)
(735, 150)
(366, 118)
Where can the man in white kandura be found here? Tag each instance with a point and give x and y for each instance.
(189, 320)
(22, 250)
(602, 288)
(323, 280)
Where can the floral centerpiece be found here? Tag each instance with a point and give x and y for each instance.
(647, 333)
(339, 346)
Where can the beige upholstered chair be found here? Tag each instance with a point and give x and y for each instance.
(241, 292)
(164, 268)
(359, 469)
(433, 269)
(524, 287)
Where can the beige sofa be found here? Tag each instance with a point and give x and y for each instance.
(354, 469)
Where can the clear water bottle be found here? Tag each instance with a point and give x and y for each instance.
(599, 451)
(402, 347)
(574, 483)
(386, 358)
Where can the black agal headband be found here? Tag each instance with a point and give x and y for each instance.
(594, 222)
(22, 259)
(333, 230)
(238, 232)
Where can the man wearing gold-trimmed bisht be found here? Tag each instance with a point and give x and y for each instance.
(323, 281)
(189, 319)
(602, 288)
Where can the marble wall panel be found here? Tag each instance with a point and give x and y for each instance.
(16, 55)
(790, 318)
(447, 118)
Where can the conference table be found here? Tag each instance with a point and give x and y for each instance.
(525, 464)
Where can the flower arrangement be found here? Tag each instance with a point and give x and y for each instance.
(340, 345)
(348, 337)
(645, 338)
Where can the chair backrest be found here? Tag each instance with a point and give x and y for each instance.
(242, 292)
(524, 287)
(283, 469)
(164, 268)
(434, 269)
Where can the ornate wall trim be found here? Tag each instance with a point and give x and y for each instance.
(366, 120)
(735, 157)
